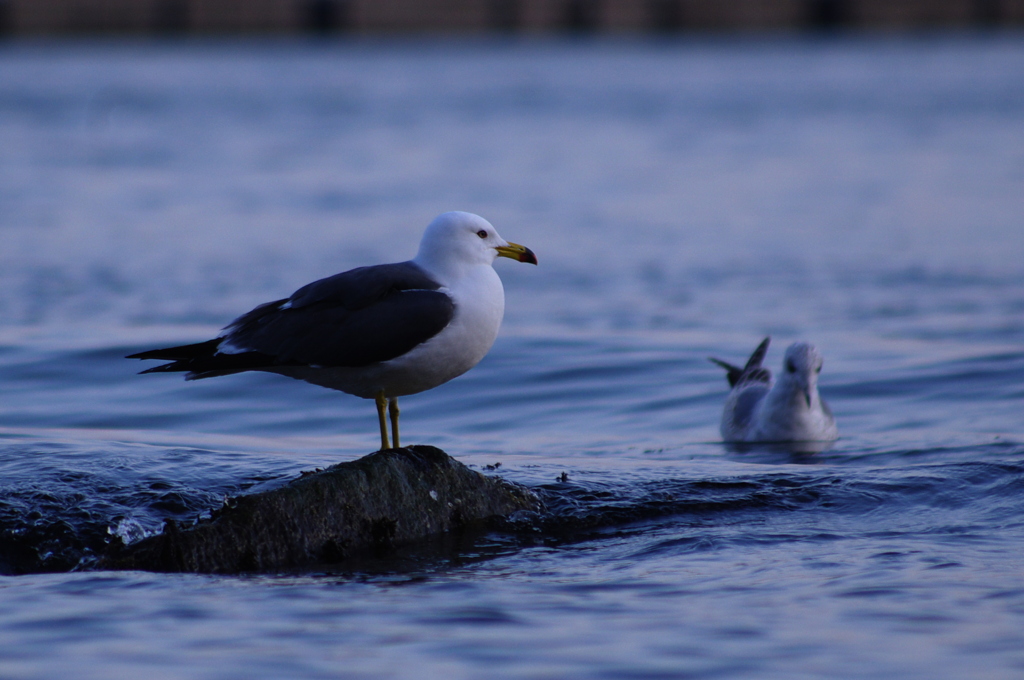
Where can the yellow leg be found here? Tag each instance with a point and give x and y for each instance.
(393, 409)
(382, 405)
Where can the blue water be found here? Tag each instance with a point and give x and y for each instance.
(684, 198)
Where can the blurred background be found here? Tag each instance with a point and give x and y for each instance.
(692, 174)
(474, 16)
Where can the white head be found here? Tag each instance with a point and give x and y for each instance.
(458, 239)
(800, 369)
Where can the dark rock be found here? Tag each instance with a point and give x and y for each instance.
(365, 507)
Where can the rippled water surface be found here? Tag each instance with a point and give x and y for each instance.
(685, 199)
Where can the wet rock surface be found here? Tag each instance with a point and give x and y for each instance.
(364, 507)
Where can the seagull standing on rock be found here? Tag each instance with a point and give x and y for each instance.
(788, 410)
(378, 332)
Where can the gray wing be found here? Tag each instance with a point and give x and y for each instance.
(355, 318)
(746, 401)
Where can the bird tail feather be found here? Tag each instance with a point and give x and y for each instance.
(201, 360)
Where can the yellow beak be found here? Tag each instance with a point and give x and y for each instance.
(517, 252)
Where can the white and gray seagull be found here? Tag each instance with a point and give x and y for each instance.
(787, 410)
(378, 332)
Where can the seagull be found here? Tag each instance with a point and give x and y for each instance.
(378, 332)
(788, 410)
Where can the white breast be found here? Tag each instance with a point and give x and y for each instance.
(479, 307)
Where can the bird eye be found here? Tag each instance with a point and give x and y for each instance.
(790, 367)
(482, 233)
(818, 370)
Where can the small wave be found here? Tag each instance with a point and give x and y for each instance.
(890, 495)
(62, 505)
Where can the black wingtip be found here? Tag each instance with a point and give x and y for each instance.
(181, 352)
(752, 372)
(732, 374)
(173, 367)
(757, 357)
(718, 362)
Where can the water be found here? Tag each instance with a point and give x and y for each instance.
(684, 198)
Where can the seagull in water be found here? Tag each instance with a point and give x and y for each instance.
(378, 332)
(787, 411)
